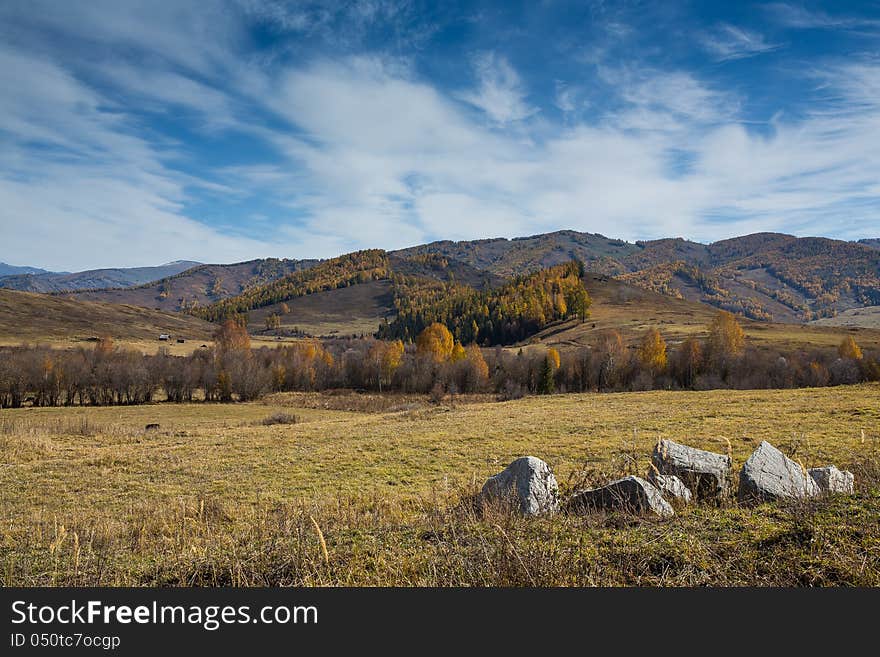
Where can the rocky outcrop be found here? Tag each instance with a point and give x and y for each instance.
(831, 480)
(770, 475)
(706, 474)
(630, 494)
(527, 483)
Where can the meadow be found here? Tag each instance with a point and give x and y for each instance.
(365, 489)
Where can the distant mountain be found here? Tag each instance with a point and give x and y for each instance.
(197, 286)
(93, 279)
(767, 276)
(873, 242)
(764, 276)
(508, 257)
(12, 270)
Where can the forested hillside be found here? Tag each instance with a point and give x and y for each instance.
(765, 276)
(502, 315)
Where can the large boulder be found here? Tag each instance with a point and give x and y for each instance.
(706, 474)
(527, 483)
(831, 480)
(770, 475)
(671, 487)
(630, 494)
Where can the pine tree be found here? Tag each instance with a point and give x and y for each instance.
(547, 382)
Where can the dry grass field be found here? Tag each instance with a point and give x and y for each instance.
(632, 311)
(217, 497)
(28, 317)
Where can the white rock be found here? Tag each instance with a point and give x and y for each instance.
(706, 474)
(528, 482)
(671, 487)
(630, 494)
(770, 475)
(832, 480)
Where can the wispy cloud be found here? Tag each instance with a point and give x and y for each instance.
(499, 93)
(729, 42)
(799, 17)
(345, 151)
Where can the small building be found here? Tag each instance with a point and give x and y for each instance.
(164, 337)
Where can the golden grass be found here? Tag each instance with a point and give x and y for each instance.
(213, 486)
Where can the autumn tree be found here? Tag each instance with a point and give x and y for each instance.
(688, 361)
(386, 357)
(231, 336)
(458, 352)
(726, 337)
(553, 357)
(435, 342)
(273, 322)
(479, 370)
(849, 349)
(612, 357)
(652, 351)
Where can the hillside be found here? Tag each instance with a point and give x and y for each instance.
(509, 257)
(865, 317)
(350, 294)
(28, 317)
(94, 279)
(631, 311)
(200, 285)
(766, 276)
(873, 242)
(345, 311)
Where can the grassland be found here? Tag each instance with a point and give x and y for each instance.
(215, 497)
(631, 311)
(866, 317)
(27, 317)
(346, 311)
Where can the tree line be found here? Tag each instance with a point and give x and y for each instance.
(436, 363)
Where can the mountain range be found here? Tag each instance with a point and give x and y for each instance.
(12, 270)
(38, 280)
(764, 276)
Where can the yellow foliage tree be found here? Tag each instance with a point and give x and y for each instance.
(726, 337)
(849, 349)
(478, 365)
(387, 357)
(553, 358)
(458, 352)
(652, 351)
(435, 341)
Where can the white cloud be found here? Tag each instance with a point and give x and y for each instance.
(499, 92)
(799, 17)
(369, 154)
(729, 42)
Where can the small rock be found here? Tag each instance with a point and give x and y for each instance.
(770, 475)
(671, 487)
(631, 494)
(706, 474)
(151, 427)
(832, 480)
(529, 482)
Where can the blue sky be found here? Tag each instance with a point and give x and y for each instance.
(139, 132)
